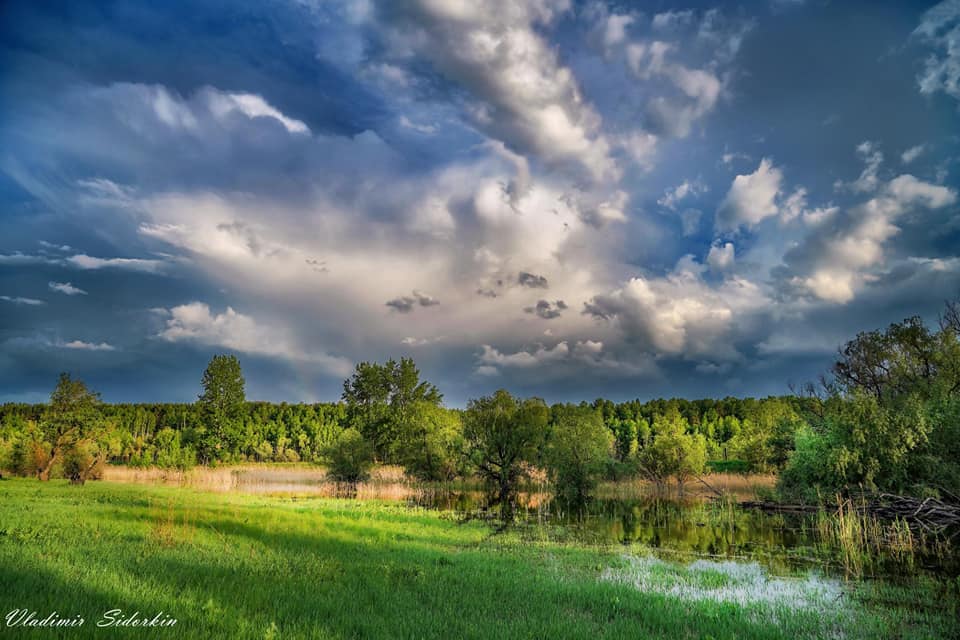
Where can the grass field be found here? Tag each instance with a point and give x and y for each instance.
(241, 566)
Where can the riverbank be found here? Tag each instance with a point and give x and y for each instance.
(234, 565)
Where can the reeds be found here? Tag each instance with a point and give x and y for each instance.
(731, 484)
(860, 536)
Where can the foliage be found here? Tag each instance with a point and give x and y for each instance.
(220, 403)
(350, 457)
(431, 438)
(502, 436)
(577, 450)
(673, 452)
(70, 421)
(378, 398)
(888, 420)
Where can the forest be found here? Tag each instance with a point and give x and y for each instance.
(886, 417)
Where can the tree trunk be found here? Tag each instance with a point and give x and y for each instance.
(43, 474)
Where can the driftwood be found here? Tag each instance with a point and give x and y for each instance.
(930, 515)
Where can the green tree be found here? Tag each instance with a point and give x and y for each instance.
(578, 448)
(502, 436)
(673, 452)
(625, 433)
(378, 398)
(85, 458)
(888, 420)
(221, 404)
(350, 457)
(72, 417)
(430, 438)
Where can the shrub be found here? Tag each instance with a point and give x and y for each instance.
(349, 457)
(79, 463)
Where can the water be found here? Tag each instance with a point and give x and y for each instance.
(686, 528)
(696, 527)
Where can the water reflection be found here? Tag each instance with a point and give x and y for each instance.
(692, 527)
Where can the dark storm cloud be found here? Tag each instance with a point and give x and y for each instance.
(406, 304)
(531, 280)
(546, 309)
(599, 308)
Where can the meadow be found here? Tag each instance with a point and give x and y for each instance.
(228, 564)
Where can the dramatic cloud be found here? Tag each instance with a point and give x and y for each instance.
(868, 180)
(840, 256)
(679, 313)
(310, 170)
(524, 359)
(83, 261)
(18, 258)
(519, 92)
(34, 342)
(720, 257)
(86, 346)
(252, 106)
(672, 197)
(912, 153)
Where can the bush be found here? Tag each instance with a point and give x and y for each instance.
(80, 464)
(350, 457)
(170, 453)
(808, 473)
(29, 454)
(6, 455)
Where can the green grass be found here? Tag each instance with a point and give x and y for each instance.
(234, 566)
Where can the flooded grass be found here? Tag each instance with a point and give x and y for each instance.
(743, 583)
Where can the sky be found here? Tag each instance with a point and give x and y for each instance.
(564, 199)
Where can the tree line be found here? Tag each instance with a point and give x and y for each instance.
(885, 417)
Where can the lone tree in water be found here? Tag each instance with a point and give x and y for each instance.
(221, 403)
(502, 436)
